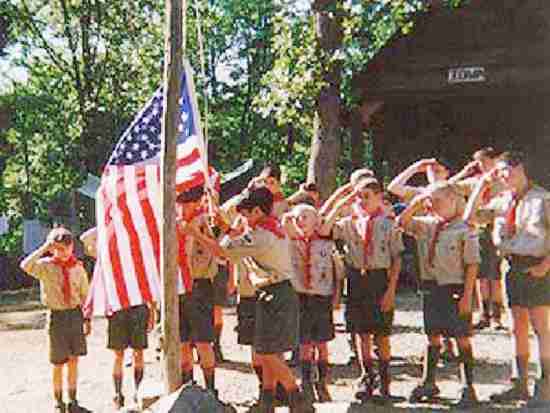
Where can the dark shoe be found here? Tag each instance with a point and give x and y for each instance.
(218, 353)
(323, 395)
(468, 398)
(118, 401)
(298, 403)
(483, 324)
(515, 393)
(60, 408)
(281, 396)
(424, 392)
(366, 387)
(536, 402)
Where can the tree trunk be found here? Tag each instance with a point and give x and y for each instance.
(326, 145)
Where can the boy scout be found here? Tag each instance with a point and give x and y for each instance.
(65, 287)
(276, 318)
(318, 288)
(490, 281)
(198, 266)
(450, 251)
(521, 218)
(373, 245)
(127, 328)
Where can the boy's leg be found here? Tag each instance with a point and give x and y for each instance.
(540, 318)
(306, 358)
(384, 347)
(118, 377)
(323, 368)
(469, 395)
(268, 385)
(138, 368)
(367, 384)
(57, 382)
(72, 378)
(218, 327)
(208, 364)
(186, 362)
(497, 300)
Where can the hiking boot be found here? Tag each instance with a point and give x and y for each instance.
(118, 401)
(299, 404)
(323, 395)
(468, 398)
(424, 392)
(366, 387)
(515, 393)
(536, 402)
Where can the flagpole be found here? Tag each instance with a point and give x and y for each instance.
(175, 15)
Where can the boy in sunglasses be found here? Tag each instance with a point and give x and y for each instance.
(521, 220)
(65, 287)
(449, 248)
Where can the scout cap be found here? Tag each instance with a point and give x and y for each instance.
(359, 175)
(60, 234)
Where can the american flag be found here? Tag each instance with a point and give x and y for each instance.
(128, 203)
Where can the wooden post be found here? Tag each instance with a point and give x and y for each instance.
(168, 241)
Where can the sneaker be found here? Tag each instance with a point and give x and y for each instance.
(60, 408)
(118, 401)
(366, 387)
(424, 392)
(323, 395)
(515, 393)
(468, 398)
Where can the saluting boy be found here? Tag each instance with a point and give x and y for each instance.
(65, 287)
(374, 246)
(521, 218)
(318, 286)
(450, 251)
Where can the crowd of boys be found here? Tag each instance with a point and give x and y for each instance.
(290, 257)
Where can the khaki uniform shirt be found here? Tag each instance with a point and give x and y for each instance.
(51, 277)
(323, 267)
(532, 235)
(202, 263)
(456, 247)
(280, 208)
(267, 256)
(387, 242)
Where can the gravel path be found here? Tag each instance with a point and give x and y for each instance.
(25, 378)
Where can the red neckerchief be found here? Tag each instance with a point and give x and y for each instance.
(66, 266)
(512, 211)
(183, 262)
(307, 242)
(368, 221)
(441, 225)
(271, 224)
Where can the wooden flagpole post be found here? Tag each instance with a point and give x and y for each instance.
(174, 15)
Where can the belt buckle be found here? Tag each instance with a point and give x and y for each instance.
(364, 272)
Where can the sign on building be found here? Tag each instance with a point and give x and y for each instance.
(466, 75)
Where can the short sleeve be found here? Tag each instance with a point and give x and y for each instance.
(418, 227)
(471, 248)
(338, 229)
(339, 268)
(84, 285)
(39, 269)
(249, 245)
(396, 242)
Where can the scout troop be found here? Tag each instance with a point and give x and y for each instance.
(283, 255)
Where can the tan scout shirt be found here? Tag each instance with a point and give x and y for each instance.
(532, 234)
(387, 243)
(202, 262)
(269, 256)
(280, 208)
(323, 270)
(456, 247)
(51, 277)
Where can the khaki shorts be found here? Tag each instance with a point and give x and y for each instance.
(66, 335)
(128, 328)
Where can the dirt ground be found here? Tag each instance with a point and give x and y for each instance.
(25, 379)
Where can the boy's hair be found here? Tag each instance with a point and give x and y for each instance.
(359, 175)
(257, 197)
(371, 183)
(272, 170)
(301, 208)
(486, 152)
(59, 234)
(450, 189)
(192, 195)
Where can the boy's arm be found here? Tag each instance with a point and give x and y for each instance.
(405, 219)
(398, 186)
(472, 213)
(288, 222)
(388, 300)
(330, 219)
(30, 263)
(338, 194)
(465, 303)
